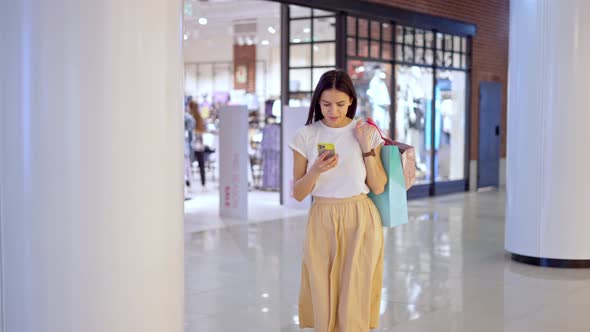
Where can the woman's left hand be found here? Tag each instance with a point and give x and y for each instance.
(363, 134)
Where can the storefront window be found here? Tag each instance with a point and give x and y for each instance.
(312, 50)
(300, 31)
(324, 54)
(300, 80)
(450, 100)
(372, 82)
(324, 29)
(430, 118)
(300, 55)
(298, 11)
(412, 116)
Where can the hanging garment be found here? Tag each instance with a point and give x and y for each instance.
(271, 156)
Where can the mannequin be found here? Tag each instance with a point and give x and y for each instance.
(379, 98)
(412, 107)
(271, 154)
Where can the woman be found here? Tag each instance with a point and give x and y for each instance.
(197, 141)
(343, 250)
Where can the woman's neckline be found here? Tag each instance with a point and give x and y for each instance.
(336, 128)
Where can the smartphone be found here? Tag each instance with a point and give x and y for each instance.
(322, 147)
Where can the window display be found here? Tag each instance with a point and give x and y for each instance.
(428, 98)
(451, 102)
(372, 81)
(414, 105)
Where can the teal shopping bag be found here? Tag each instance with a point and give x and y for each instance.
(393, 202)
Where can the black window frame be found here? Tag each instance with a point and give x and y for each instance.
(289, 43)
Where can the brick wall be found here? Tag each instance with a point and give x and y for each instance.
(245, 57)
(490, 46)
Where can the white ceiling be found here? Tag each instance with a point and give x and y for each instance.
(221, 16)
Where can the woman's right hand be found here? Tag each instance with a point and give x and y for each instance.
(324, 163)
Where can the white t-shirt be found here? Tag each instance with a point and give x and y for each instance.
(348, 178)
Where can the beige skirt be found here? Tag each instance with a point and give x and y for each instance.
(342, 268)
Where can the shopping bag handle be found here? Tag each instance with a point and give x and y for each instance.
(387, 140)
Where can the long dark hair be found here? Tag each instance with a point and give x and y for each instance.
(334, 79)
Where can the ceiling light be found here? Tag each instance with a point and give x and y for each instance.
(264, 42)
(296, 40)
(264, 310)
(185, 37)
(202, 21)
(306, 30)
(271, 30)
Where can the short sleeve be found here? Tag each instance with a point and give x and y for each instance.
(376, 139)
(298, 143)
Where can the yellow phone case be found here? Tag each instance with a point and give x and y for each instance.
(326, 147)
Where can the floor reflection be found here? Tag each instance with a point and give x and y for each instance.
(446, 270)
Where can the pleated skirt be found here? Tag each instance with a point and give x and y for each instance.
(342, 270)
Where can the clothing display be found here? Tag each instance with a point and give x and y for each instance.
(268, 107)
(379, 98)
(351, 166)
(221, 97)
(271, 156)
(276, 109)
(412, 114)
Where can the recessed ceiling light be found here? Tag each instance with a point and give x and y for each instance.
(296, 40)
(271, 30)
(264, 42)
(202, 21)
(185, 37)
(306, 30)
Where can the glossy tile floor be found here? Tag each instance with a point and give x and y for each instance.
(444, 271)
(201, 211)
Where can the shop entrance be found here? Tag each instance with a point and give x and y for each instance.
(232, 62)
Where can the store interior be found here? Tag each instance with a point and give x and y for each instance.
(232, 57)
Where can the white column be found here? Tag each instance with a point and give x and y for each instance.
(548, 178)
(91, 161)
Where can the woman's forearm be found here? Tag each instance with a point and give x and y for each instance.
(376, 176)
(305, 185)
